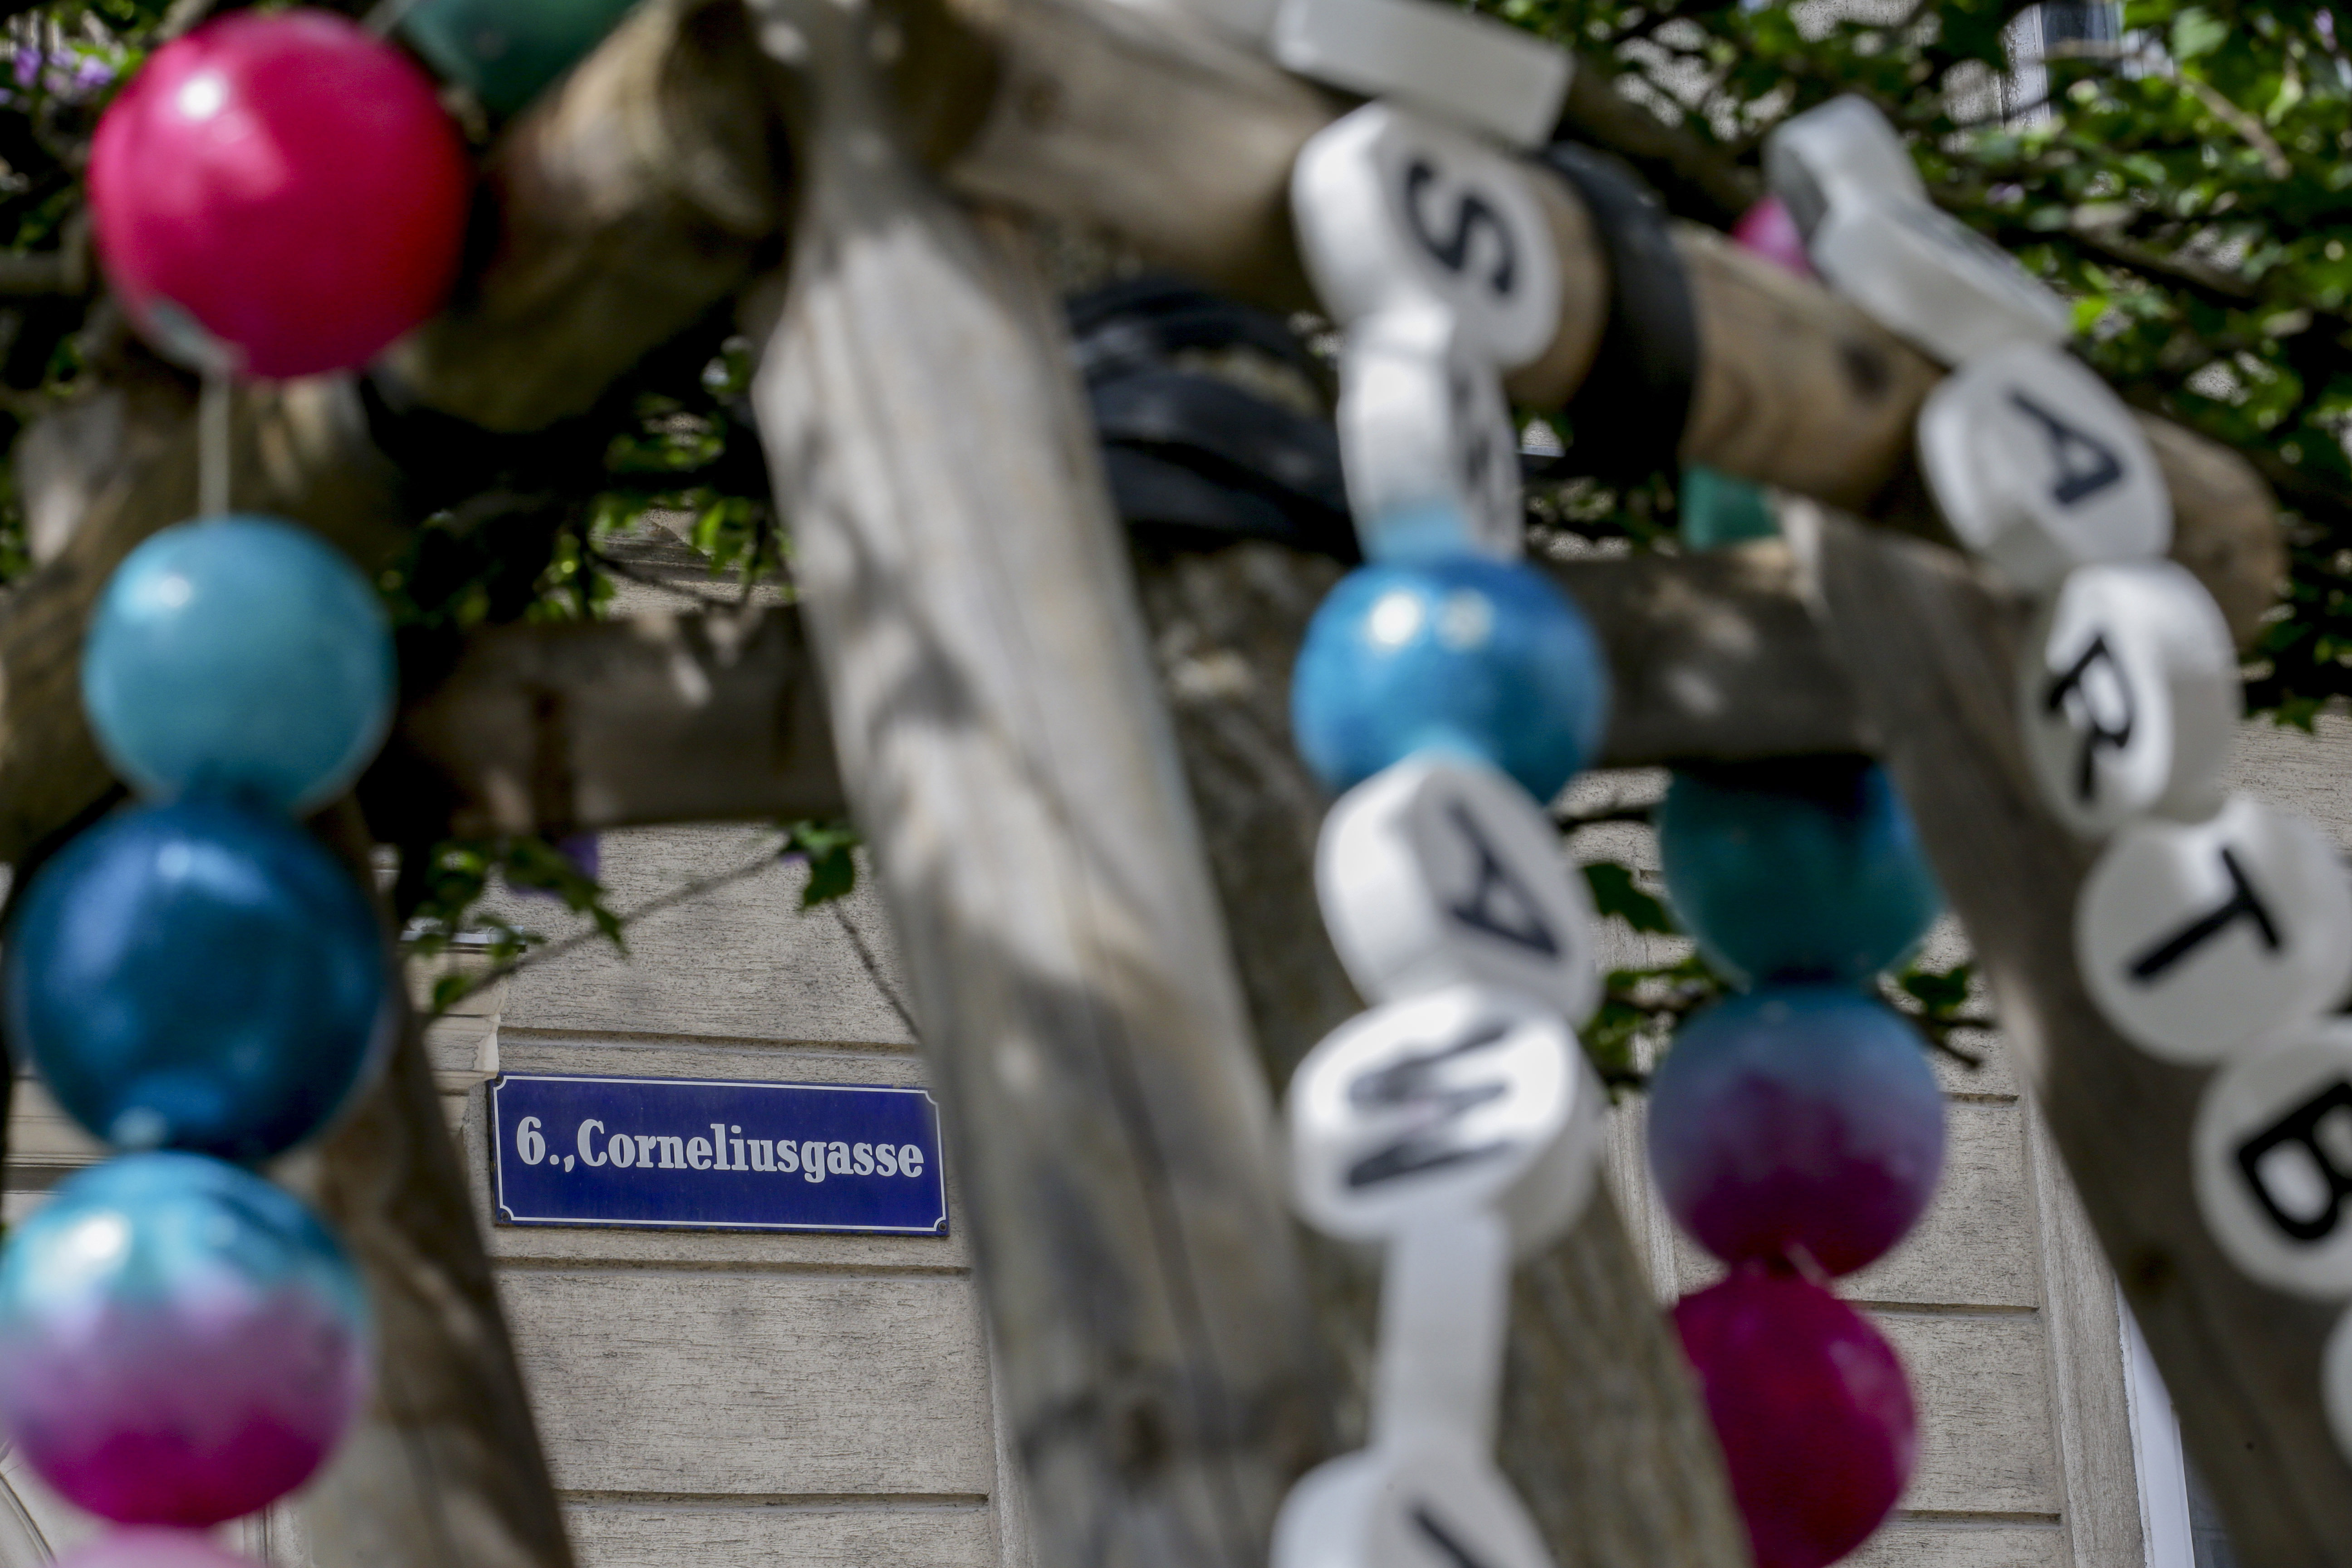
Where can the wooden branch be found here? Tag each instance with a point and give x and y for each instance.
(1144, 122)
(301, 449)
(446, 1466)
(1930, 653)
(659, 718)
(1015, 777)
(622, 207)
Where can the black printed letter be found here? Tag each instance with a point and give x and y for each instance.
(2243, 901)
(1471, 213)
(2085, 465)
(1479, 909)
(2095, 733)
(2301, 1126)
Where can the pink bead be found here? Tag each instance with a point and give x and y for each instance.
(284, 183)
(1811, 1409)
(150, 1548)
(1767, 229)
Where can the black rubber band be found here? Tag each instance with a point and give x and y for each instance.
(1626, 420)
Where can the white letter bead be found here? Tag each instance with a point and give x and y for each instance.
(1441, 870)
(2273, 1155)
(1395, 210)
(2201, 941)
(1433, 1503)
(1844, 147)
(2129, 693)
(1426, 444)
(1471, 1096)
(1484, 74)
(2038, 468)
(2336, 1383)
(1931, 280)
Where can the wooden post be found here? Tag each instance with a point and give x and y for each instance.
(1601, 1433)
(1013, 770)
(1929, 650)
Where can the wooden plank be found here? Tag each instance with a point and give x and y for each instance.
(445, 1466)
(705, 1383)
(1011, 764)
(623, 1536)
(1930, 652)
(1987, 1442)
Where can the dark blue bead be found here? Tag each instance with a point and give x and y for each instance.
(200, 976)
(1803, 870)
(1466, 655)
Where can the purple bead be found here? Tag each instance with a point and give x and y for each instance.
(1811, 1408)
(1767, 229)
(1797, 1118)
(180, 1342)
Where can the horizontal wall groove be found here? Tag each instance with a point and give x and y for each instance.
(1959, 1518)
(591, 1267)
(1941, 1309)
(797, 1502)
(536, 1035)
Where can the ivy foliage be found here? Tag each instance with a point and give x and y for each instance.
(2181, 171)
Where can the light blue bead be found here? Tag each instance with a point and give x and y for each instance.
(1483, 657)
(197, 975)
(239, 654)
(1802, 869)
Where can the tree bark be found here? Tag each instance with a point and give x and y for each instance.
(1601, 1431)
(1930, 650)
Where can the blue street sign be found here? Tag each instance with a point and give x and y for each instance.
(693, 1153)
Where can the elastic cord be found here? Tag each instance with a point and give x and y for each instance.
(1627, 418)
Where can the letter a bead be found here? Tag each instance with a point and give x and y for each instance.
(1479, 658)
(2038, 468)
(1440, 870)
(2200, 941)
(2273, 1150)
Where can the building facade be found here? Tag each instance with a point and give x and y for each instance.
(727, 1397)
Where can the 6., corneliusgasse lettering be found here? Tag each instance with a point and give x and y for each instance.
(813, 1159)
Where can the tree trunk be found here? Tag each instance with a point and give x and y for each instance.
(1602, 1429)
(1014, 772)
(1930, 652)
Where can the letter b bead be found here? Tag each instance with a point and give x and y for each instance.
(1439, 870)
(2273, 1148)
(2200, 941)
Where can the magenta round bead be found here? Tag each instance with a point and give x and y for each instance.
(145, 1546)
(1811, 1409)
(180, 1342)
(1797, 1119)
(1767, 229)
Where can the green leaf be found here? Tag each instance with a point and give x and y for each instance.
(2197, 32)
(829, 847)
(1615, 893)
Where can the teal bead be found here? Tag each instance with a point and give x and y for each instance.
(1717, 510)
(242, 655)
(1484, 659)
(1802, 869)
(508, 51)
